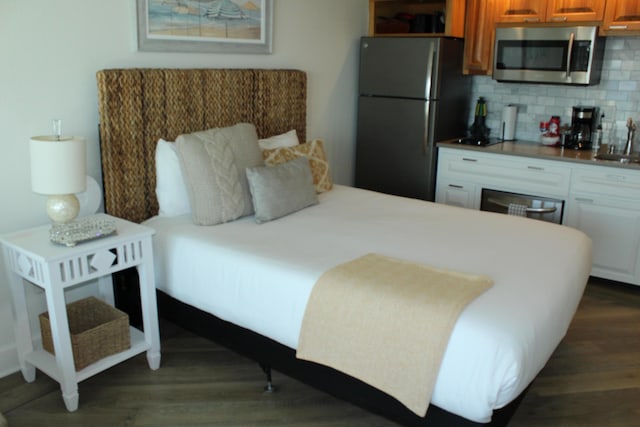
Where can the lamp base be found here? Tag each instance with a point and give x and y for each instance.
(62, 208)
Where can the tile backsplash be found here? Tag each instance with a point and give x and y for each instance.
(617, 95)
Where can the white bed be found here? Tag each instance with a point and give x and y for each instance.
(259, 276)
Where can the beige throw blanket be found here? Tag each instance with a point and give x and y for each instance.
(386, 322)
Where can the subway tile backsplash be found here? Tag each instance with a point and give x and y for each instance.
(617, 95)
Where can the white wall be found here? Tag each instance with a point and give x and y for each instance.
(51, 51)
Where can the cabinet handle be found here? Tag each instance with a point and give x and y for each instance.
(616, 177)
(535, 168)
(456, 186)
(584, 200)
(617, 27)
(531, 19)
(467, 159)
(559, 18)
(528, 210)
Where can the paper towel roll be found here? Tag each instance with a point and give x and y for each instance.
(508, 125)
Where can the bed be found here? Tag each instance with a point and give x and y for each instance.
(247, 284)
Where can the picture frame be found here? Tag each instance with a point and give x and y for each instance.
(213, 26)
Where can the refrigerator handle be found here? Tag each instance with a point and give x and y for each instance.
(431, 72)
(425, 138)
(426, 141)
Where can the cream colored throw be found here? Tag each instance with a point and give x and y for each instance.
(386, 322)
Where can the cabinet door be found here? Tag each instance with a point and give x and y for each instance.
(479, 37)
(575, 10)
(622, 17)
(521, 11)
(614, 229)
(387, 18)
(457, 194)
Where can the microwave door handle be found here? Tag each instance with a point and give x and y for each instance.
(569, 52)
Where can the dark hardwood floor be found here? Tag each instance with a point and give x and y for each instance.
(593, 379)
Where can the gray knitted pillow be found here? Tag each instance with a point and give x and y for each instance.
(213, 164)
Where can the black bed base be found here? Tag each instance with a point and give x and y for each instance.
(271, 354)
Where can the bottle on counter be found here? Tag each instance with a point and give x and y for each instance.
(479, 129)
(597, 139)
(554, 126)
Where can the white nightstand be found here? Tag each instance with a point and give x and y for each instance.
(30, 255)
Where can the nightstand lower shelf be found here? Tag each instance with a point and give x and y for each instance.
(46, 362)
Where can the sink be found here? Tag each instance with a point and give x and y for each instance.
(619, 157)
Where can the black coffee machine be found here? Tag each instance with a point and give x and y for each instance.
(583, 127)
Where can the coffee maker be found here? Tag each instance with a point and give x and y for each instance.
(583, 127)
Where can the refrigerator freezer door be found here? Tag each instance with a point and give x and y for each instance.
(398, 67)
(394, 155)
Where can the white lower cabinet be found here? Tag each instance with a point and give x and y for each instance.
(601, 201)
(614, 228)
(605, 204)
(462, 174)
(457, 193)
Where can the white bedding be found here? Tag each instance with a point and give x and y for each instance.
(260, 277)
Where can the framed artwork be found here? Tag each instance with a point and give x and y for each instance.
(223, 26)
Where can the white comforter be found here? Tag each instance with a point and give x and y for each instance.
(260, 277)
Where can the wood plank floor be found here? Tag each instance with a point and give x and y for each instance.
(593, 379)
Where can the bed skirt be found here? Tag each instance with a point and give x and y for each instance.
(267, 352)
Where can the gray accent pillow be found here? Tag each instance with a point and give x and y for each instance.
(213, 164)
(279, 190)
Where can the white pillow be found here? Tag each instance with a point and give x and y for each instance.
(289, 139)
(171, 189)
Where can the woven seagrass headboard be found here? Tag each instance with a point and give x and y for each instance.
(139, 106)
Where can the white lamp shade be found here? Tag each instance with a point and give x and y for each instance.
(58, 166)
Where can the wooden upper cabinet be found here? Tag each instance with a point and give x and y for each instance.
(412, 18)
(521, 11)
(558, 11)
(479, 37)
(622, 17)
(575, 10)
(483, 15)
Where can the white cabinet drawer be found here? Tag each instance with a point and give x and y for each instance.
(612, 182)
(457, 193)
(504, 172)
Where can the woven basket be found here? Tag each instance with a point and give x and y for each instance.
(97, 330)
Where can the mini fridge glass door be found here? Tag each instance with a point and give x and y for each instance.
(534, 207)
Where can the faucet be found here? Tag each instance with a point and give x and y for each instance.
(628, 148)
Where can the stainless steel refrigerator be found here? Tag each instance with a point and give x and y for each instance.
(412, 94)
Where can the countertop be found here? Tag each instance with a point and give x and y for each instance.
(539, 151)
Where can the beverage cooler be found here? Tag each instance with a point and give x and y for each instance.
(534, 207)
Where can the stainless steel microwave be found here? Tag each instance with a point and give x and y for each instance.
(558, 55)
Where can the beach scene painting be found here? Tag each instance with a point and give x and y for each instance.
(205, 25)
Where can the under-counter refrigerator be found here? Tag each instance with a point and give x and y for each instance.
(411, 94)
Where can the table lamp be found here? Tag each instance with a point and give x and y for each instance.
(58, 170)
